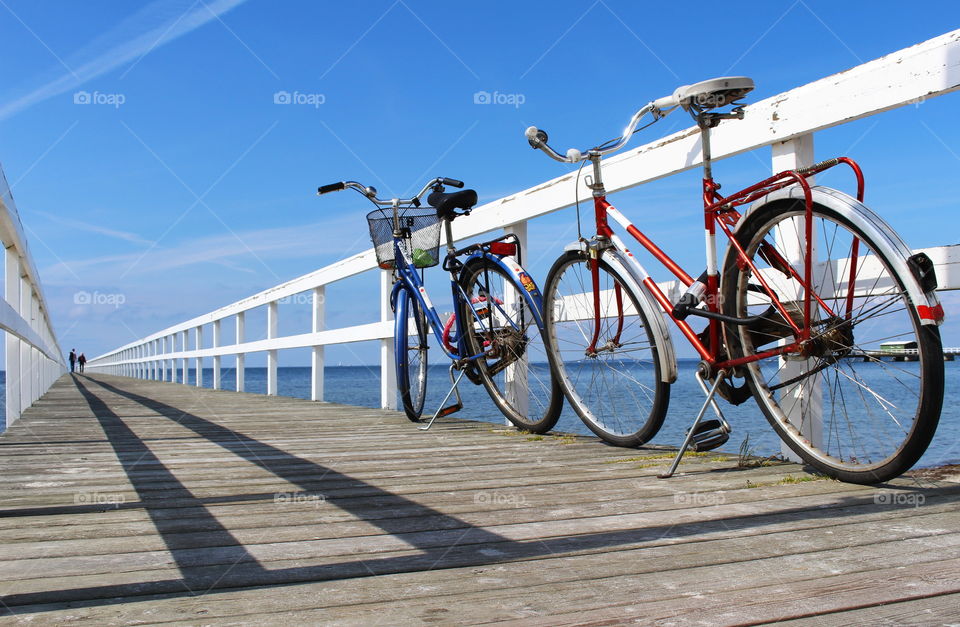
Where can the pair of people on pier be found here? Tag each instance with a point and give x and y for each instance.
(77, 362)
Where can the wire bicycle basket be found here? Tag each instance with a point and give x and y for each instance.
(420, 232)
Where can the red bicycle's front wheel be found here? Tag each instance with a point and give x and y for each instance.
(609, 369)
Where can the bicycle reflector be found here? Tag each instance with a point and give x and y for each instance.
(504, 249)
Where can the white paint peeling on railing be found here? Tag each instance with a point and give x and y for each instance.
(787, 121)
(33, 357)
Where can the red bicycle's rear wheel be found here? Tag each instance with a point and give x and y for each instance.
(862, 402)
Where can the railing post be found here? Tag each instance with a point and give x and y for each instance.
(515, 375)
(806, 412)
(388, 372)
(172, 363)
(35, 355)
(11, 292)
(272, 314)
(198, 360)
(152, 364)
(24, 374)
(216, 358)
(184, 362)
(240, 356)
(316, 364)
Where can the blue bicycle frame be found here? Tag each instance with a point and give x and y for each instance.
(409, 279)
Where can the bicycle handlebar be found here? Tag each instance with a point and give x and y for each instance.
(371, 192)
(538, 138)
(696, 99)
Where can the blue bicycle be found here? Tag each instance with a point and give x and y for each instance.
(495, 335)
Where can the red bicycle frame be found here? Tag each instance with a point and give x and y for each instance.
(721, 211)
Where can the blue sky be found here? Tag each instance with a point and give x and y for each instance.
(153, 168)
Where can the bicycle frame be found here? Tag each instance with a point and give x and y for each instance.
(720, 211)
(409, 279)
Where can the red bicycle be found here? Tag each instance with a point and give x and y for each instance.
(813, 297)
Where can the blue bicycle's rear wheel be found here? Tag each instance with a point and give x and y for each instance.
(499, 320)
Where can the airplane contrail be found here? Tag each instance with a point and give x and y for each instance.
(141, 33)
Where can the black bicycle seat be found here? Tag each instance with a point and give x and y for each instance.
(446, 204)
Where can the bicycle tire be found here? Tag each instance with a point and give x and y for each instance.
(618, 394)
(864, 437)
(411, 357)
(508, 335)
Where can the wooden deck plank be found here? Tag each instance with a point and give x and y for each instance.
(349, 515)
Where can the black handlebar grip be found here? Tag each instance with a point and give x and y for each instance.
(451, 182)
(332, 187)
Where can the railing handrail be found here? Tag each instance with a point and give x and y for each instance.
(11, 234)
(33, 359)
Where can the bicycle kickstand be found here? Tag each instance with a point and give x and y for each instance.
(451, 409)
(709, 438)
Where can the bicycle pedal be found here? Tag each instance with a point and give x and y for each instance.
(709, 434)
(450, 409)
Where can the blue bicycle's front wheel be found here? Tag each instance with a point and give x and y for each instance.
(499, 322)
(410, 337)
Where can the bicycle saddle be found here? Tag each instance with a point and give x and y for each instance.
(446, 204)
(715, 92)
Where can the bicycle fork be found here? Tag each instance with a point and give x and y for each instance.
(593, 261)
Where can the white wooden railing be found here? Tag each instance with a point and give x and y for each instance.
(33, 356)
(786, 122)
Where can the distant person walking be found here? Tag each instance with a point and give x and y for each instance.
(82, 361)
(73, 359)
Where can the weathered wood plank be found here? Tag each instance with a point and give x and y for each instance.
(499, 527)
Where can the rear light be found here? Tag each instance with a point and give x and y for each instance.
(504, 249)
(934, 313)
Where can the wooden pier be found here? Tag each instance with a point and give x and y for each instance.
(128, 501)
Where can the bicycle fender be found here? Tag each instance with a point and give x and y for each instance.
(397, 286)
(520, 277)
(927, 304)
(399, 313)
(665, 351)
